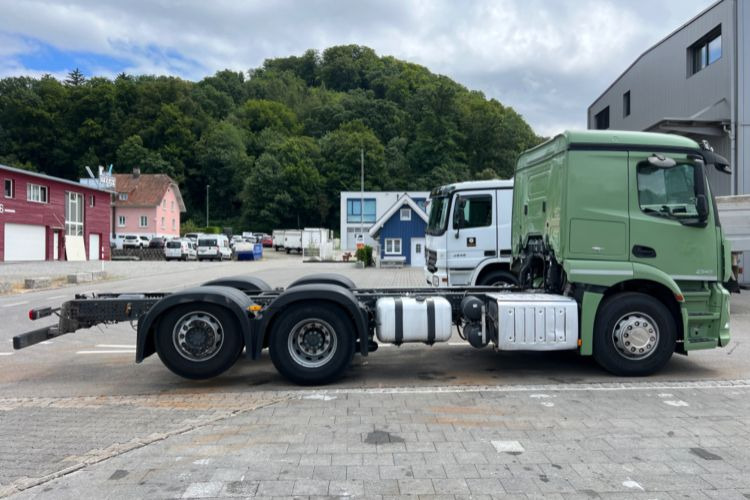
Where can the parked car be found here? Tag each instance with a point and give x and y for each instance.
(184, 249)
(134, 241)
(267, 241)
(214, 247)
(235, 239)
(116, 241)
(193, 236)
(157, 242)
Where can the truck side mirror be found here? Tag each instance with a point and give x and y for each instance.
(701, 205)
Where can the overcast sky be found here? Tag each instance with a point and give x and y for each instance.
(547, 59)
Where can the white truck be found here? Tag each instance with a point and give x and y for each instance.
(293, 240)
(278, 239)
(479, 252)
(734, 214)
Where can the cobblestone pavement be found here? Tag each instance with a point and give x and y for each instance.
(639, 440)
(79, 419)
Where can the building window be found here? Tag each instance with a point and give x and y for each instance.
(354, 213)
(393, 246)
(36, 193)
(10, 188)
(171, 206)
(92, 200)
(421, 203)
(174, 225)
(164, 204)
(121, 221)
(626, 104)
(162, 222)
(601, 119)
(123, 196)
(705, 51)
(477, 212)
(73, 214)
(143, 222)
(405, 214)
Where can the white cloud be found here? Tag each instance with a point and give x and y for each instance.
(547, 59)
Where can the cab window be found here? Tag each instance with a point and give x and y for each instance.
(667, 192)
(477, 211)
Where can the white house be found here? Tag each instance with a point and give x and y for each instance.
(356, 221)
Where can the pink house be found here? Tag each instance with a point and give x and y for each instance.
(147, 204)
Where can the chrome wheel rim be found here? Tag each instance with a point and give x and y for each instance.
(198, 336)
(312, 343)
(635, 336)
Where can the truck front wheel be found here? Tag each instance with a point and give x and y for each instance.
(198, 341)
(312, 344)
(498, 278)
(634, 334)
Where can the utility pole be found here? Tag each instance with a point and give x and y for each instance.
(362, 193)
(207, 186)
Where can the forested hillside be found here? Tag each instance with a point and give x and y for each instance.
(276, 144)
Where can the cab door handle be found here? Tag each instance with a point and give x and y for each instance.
(644, 252)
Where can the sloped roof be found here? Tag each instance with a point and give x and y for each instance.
(145, 190)
(403, 200)
(40, 175)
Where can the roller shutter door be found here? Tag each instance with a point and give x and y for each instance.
(25, 242)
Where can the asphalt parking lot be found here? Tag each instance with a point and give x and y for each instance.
(78, 418)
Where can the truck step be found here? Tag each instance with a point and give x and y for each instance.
(704, 317)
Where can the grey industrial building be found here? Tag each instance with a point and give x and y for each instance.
(695, 83)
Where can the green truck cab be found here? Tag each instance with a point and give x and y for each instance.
(625, 223)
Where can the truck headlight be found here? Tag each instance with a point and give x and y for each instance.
(435, 281)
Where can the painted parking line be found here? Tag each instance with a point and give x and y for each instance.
(111, 351)
(13, 304)
(115, 346)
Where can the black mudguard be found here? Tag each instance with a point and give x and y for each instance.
(325, 292)
(231, 298)
(242, 283)
(329, 278)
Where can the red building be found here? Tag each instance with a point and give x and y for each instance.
(48, 218)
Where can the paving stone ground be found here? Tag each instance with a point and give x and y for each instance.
(570, 441)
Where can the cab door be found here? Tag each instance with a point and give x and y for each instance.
(665, 231)
(472, 233)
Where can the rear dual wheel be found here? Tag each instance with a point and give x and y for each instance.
(198, 341)
(312, 344)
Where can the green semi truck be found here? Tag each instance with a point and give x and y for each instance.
(616, 247)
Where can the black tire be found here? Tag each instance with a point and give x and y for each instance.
(288, 251)
(220, 361)
(316, 317)
(634, 334)
(498, 278)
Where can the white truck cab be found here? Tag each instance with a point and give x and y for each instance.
(468, 234)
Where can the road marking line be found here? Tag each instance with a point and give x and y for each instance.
(6, 354)
(12, 304)
(121, 351)
(591, 387)
(57, 297)
(116, 346)
(677, 402)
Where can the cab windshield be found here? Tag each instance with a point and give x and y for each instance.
(437, 223)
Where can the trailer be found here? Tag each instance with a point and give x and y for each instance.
(616, 247)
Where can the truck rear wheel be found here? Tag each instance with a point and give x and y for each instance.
(198, 341)
(312, 344)
(635, 334)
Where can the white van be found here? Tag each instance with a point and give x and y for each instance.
(214, 247)
(183, 249)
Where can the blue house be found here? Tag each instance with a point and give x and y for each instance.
(399, 233)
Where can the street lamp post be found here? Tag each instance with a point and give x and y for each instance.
(207, 186)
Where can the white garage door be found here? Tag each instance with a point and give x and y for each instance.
(94, 249)
(25, 242)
